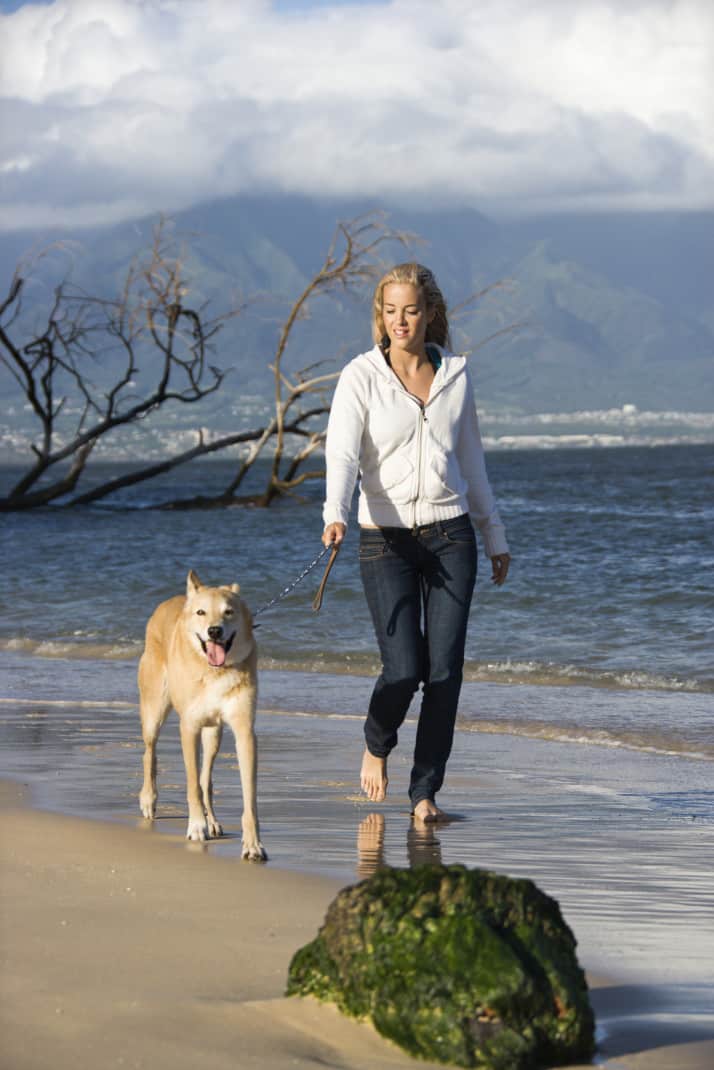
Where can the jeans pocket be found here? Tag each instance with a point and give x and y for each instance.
(459, 530)
(372, 545)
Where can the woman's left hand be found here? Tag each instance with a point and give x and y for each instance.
(499, 568)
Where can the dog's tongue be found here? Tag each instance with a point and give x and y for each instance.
(215, 653)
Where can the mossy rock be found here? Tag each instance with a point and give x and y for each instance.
(454, 965)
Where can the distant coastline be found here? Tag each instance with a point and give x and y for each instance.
(501, 429)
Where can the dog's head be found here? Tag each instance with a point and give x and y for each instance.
(218, 623)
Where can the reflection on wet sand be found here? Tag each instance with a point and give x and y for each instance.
(423, 846)
(370, 845)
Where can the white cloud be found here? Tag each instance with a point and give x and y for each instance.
(117, 107)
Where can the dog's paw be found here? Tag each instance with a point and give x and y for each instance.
(214, 829)
(147, 805)
(197, 831)
(254, 851)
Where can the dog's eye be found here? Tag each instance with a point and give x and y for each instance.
(200, 612)
(228, 612)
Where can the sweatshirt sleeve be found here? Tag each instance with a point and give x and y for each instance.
(482, 505)
(342, 447)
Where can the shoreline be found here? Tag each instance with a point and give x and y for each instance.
(504, 673)
(571, 441)
(619, 837)
(127, 947)
(642, 719)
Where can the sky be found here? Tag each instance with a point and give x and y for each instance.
(112, 109)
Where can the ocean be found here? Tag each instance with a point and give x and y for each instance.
(604, 631)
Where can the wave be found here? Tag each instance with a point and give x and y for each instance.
(626, 416)
(626, 739)
(551, 674)
(652, 743)
(547, 674)
(596, 428)
(646, 742)
(656, 743)
(74, 649)
(539, 673)
(71, 703)
(594, 440)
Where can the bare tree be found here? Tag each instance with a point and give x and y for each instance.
(165, 345)
(351, 261)
(159, 339)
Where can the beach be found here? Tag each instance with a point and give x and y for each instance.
(125, 946)
(583, 760)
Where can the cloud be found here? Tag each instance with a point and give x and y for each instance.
(114, 108)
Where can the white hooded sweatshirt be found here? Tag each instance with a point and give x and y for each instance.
(417, 463)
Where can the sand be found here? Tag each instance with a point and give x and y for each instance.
(124, 946)
(121, 949)
(127, 948)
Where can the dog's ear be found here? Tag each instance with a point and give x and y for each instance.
(235, 587)
(193, 583)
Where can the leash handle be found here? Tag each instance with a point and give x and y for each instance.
(291, 586)
(317, 600)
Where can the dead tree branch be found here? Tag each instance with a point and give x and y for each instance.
(98, 365)
(351, 262)
(158, 347)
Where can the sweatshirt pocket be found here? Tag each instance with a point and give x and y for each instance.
(443, 480)
(394, 472)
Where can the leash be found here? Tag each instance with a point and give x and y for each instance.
(333, 550)
(317, 600)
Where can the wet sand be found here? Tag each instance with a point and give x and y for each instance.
(123, 945)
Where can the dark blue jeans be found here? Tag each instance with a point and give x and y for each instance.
(418, 585)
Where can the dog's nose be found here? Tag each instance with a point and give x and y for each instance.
(215, 632)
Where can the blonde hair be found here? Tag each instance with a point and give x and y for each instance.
(413, 274)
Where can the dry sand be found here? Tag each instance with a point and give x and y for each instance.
(123, 948)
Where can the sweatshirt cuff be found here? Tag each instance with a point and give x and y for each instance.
(333, 514)
(494, 541)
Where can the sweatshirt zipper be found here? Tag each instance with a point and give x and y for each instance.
(420, 437)
(420, 440)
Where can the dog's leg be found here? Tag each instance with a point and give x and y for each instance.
(247, 748)
(197, 828)
(154, 706)
(210, 742)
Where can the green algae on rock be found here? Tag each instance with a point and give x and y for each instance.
(454, 965)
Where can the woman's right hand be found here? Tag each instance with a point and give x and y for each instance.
(333, 534)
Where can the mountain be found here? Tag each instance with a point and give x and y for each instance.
(609, 310)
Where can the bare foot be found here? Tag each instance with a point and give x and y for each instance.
(373, 777)
(428, 812)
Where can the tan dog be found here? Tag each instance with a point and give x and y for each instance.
(200, 657)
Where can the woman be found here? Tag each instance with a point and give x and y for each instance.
(403, 417)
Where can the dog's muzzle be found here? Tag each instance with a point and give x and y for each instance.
(216, 649)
